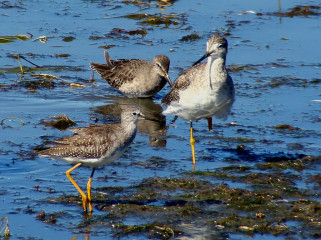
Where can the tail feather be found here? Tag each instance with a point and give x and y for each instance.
(100, 68)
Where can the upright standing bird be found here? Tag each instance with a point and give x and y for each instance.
(204, 90)
(95, 146)
(134, 77)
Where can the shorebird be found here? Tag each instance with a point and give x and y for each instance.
(95, 146)
(204, 90)
(134, 77)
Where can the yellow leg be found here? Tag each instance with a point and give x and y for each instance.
(192, 145)
(83, 195)
(89, 190)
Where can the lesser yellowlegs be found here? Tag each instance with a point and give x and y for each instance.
(95, 146)
(204, 90)
(134, 77)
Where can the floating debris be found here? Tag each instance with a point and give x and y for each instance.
(154, 230)
(9, 39)
(237, 68)
(97, 37)
(287, 127)
(61, 122)
(119, 33)
(4, 227)
(107, 46)
(247, 12)
(63, 55)
(76, 85)
(44, 76)
(191, 37)
(158, 19)
(42, 216)
(142, 32)
(42, 39)
(145, 3)
(300, 10)
(296, 164)
(5, 122)
(137, 16)
(68, 39)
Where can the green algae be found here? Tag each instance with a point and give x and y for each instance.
(9, 39)
(159, 19)
(61, 122)
(154, 230)
(272, 201)
(296, 164)
(249, 225)
(68, 39)
(300, 10)
(237, 68)
(191, 37)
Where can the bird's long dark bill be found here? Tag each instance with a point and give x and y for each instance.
(168, 80)
(165, 75)
(206, 55)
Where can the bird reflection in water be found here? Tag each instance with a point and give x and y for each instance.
(154, 123)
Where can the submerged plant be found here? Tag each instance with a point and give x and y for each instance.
(4, 227)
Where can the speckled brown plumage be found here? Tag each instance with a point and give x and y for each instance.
(134, 77)
(88, 142)
(205, 89)
(181, 83)
(97, 144)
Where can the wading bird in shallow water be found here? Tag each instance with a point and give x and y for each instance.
(134, 77)
(95, 146)
(204, 90)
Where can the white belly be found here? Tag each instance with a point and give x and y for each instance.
(203, 104)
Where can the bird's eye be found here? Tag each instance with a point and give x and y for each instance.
(220, 46)
(134, 114)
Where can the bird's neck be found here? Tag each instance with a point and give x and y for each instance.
(129, 126)
(217, 65)
(217, 69)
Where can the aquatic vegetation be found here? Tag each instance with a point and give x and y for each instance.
(119, 33)
(271, 201)
(154, 230)
(165, 20)
(61, 122)
(8, 39)
(258, 174)
(191, 37)
(300, 10)
(63, 55)
(68, 39)
(144, 3)
(237, 68)
(44, 217)
(4, 227)
(12, 122)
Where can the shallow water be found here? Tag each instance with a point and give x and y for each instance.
(277, 86)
